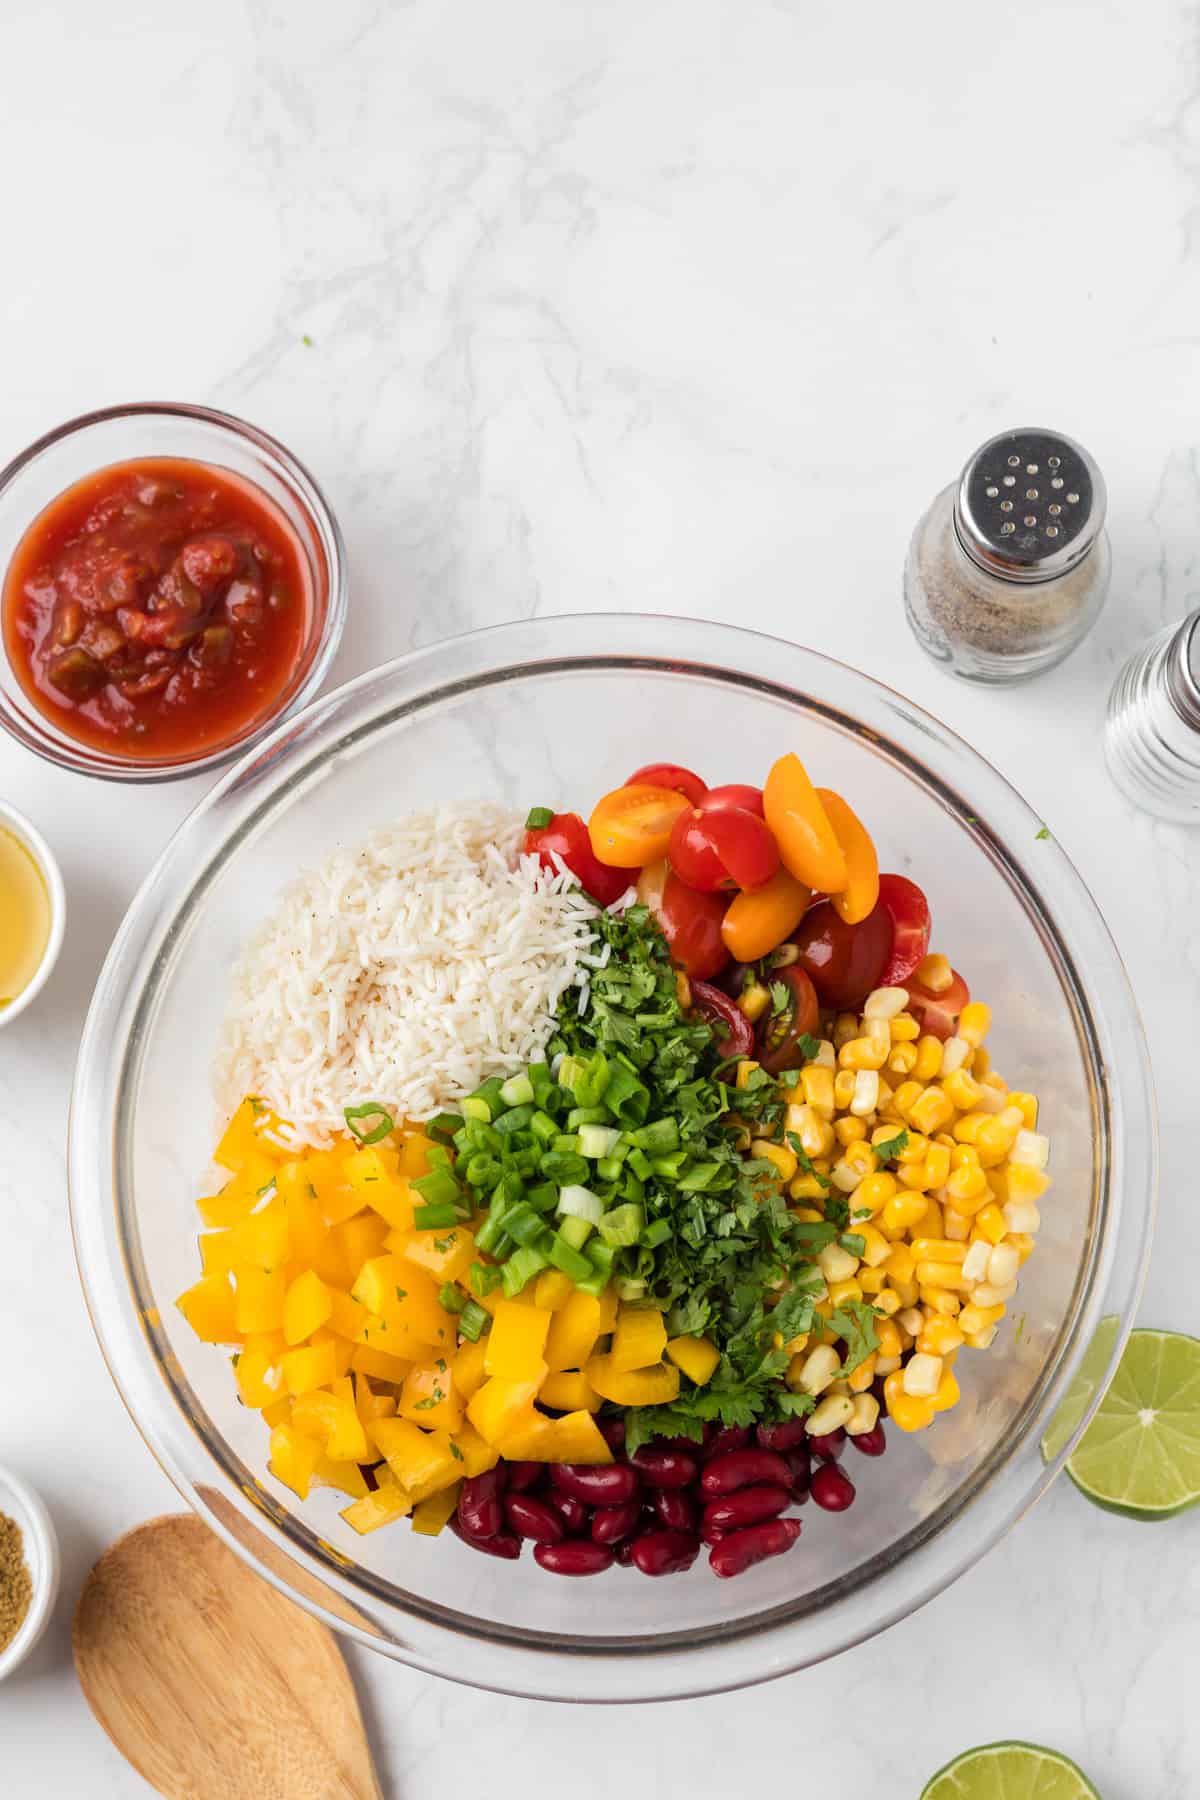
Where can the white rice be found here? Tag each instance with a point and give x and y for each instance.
(404, 972)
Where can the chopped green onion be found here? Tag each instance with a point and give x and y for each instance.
(608, 1168)
(575, 1231)
(523, 1225)
(474, 1107)
(699, 1177)
(442, 1129)
(483, 1171)
(433, 1218)
(596, 1141)
(671, 1166)
(581, 1203)
(524, 1263)
(373, 1134)
(622, 1226)
(517, 1090)
(567, 1143)
(602, 1256)
(451, 1298)
(438, 1188)
(656, 1233)
(489, 1093)
(541, 1081)
(484, 1279)
(658, 1138)
(586, 1115)
(570, 1070)
(543, 1197)
(630, 1287)
(639, 1163)
(516, 1120)
(509, 1189)
(562, 1169)
(538, 818)
(473, 1321)
(565, 1257)
(590, 1087)
(543, 1127)
(626, 1098)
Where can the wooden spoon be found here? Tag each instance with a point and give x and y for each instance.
(208, 1681)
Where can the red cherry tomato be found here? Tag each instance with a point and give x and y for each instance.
(721, 1011)
(722, 849)
(938, 1013)
(568, 835)
(908, 910)
(780, 1032)
(722, 799)
(691, 924)
(669, 775)
(844, 962)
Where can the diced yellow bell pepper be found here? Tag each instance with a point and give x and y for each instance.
(445, 1254)
(306, 1306)
(238, 1198)
(312, 1367)
(262, 1239)
(347, 1477)
(260, 1297)
(498, 1405)
(294, 1456)
(696, 1356)
(414, 1155)
(360, 1238)
(278, 1413)
(210, 1308)
(407, 1298)
(469, 1368)
(430, 1398)
(656, 1386)
(217, 1252)
(639, 1339)
(311, 1242)
(388, 1503)
(422, 1461)
(552, 1289)
(244, 1137)
(576, 1438)
(478, 1455)
(516, 1342)
(342, 1349)
(346, 1316)
(529, 1438)
(375, 1175)
(259, 1375)
(574, 1330)
(431, 1515)
(365, 1359)
(337, 1198)
(569, 1390)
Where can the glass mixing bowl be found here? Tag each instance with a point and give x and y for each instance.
(557, 711)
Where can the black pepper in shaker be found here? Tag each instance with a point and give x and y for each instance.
(1009, 567)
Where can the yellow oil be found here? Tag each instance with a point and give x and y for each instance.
(24, 917)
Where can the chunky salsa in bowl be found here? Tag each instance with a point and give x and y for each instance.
(159, 608)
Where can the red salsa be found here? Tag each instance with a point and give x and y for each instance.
(157, 608)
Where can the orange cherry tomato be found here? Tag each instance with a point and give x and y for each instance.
(632, 826)
(806, 839)
(761, 918)
(861, 891)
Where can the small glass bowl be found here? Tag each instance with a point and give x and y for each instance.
(162, 428)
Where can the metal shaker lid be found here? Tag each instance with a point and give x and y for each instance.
(1183, 671)
(1030, 505)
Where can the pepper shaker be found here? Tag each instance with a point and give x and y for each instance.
(1009, 567)
(1152, 733)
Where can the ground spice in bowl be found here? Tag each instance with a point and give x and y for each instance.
(16, 1583)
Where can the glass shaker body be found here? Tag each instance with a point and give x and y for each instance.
(1152, 733)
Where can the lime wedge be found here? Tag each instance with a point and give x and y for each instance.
(1010, 1772)
(1088, 1377)
(1140, 1455)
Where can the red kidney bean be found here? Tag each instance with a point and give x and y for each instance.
(532, 1518)
(711, 1534)
(830, 1447)
(832, 1488)
(665, 1552)
(479, 1504)
(524, 1475)
(665, 1468)
(503, 1544)
(600, 1484)
(742, 1549)
(624, 1552)
(576, 1557)
(870, 1443)
(749, 1506)
(612, 1523)
(612, 1431)
(784, 1436)
(727, 1437)
(675, 1509)
(575, 1514)
(743, 1468)
(797, 1461)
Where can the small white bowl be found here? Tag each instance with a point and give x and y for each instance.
(28, 834)
(21, 1504)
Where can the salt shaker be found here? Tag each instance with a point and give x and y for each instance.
(1152, 734)
(1009, 567)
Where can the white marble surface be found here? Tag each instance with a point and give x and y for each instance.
(683, 305)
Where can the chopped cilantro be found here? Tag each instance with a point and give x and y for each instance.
(854, 1321)
(806, 1162)
(455, 1452)
(401, 1293)
(891, 1147)
(306, 341)
(781, 998)
(1043, 833)
(851, 1241)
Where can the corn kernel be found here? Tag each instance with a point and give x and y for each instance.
(904, 1096)
(876, 1248)
(863, 1376)
(819, 1369)
(929, 1058)
(816, 1136)
(806, 1187)
(911, 1320)
(957, 1055)
(849, 1130)
(863, 1053)
(990, 1293)
(841, 1291)
(907, 1291)
(887, 1301)
(913, 1177)
(926, 1249)
(940, 1336)
(942, 1275)
(904, 1029)
(754, 1001)
(960, 1088)
(1020, 1217)
(817, 1086)
(964, 1156)
(871, 1281)
(874, 1191)
(884, 1365)
(866, 1093)
(934, 973)
(922, 1376)
(1022, 1243)
(1002, 1264)
(845, 1027)
(974, 1022)
(843, 1088)
(885, 1002)
(966, 1129)
(1029, 1108)
(958, 1225)
(933, 1110)
(1024, 1184)
(784, 1159)
(864, 1416)
(990, 1221)
(982, 1340)
(887, 1331)
(940, 1300)
(903, 1059)
(901, 1263)
(914, 1149)
(966, 1184)
(830, 1415)
(975, 1267)
(980, 1064)
(836, 1264)
(901, 1211)
(745, 1070)
(906, 1413)
(947, 1392)
(974, 1319)
(930, 1223)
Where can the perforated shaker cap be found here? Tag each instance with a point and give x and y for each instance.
(1030, 505)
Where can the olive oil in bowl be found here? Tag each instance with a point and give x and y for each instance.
(25, 917)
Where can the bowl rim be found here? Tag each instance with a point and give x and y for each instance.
(27, 834)
(26, 726)
(37, 1528)
(717, 1658)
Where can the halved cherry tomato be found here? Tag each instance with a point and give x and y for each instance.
(908, 909)
(568, 835)
(670, 775)
(763, 917)
(722, 1012)
(807, 843)
(779, 1033)
(711, 850)
(843, 961)
(861, 891)
(691, 924)
(938, 1013)
(733, 794)
(632, 826)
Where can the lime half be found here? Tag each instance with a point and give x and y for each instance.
(1010, 1772)
(1088, 1377)
(1140, 1455)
